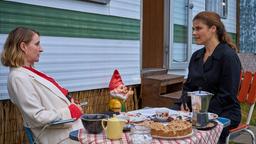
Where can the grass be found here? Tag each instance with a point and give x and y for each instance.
(245, 110)
(231, 142)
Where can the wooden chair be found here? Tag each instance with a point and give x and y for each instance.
(246, 95)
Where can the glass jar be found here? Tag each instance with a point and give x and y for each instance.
(140, 135)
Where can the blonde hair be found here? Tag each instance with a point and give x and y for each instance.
(213, 19)
(12, 55)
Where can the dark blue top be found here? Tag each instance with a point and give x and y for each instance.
(220, 75)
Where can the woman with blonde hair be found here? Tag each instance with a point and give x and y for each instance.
(38, 96)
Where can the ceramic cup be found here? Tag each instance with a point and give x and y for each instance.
(162, 114)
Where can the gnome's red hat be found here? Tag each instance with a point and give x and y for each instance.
(116, 80)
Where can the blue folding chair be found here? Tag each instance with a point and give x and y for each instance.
(29, 135)
(33, 140)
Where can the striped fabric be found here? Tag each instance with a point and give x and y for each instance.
(198, 137)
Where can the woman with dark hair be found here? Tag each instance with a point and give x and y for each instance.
(39, 97)
(214, 68)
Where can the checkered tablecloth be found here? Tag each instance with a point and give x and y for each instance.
(198, 137)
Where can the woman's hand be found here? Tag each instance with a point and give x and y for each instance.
(77, 105)
(184, 107)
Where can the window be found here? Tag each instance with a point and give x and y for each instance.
(180, 34)
(218, 6)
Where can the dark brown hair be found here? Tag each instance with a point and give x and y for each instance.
(12, 55)
(213, 19)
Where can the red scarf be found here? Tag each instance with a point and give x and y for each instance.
(50, 79)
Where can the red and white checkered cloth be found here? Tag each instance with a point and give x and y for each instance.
(198, 137)
(86, 138)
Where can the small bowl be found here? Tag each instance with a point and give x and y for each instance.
(92, 122)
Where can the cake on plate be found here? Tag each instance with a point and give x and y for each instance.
(175, 128)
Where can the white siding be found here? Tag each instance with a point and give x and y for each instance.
(179, 52)
(230, 22)
(83, 64)
(179, 17)
(3, 79)
(122, 8)
(125, 8)
(199, 5)
(179, 14)
(3, 73)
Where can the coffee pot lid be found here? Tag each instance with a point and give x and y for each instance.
(200, 93)
(115, 119)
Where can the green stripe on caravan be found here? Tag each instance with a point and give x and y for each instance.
(180, 34)
(66, 23)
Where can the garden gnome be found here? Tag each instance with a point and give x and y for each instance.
(118, 91)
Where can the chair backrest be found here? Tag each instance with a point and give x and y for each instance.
(247, 92)
(245, 82)
(29, 135)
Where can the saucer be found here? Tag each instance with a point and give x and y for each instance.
(127, 127)
(211, 124)
(155, 119)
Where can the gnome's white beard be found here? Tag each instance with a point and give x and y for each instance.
(118, 94)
